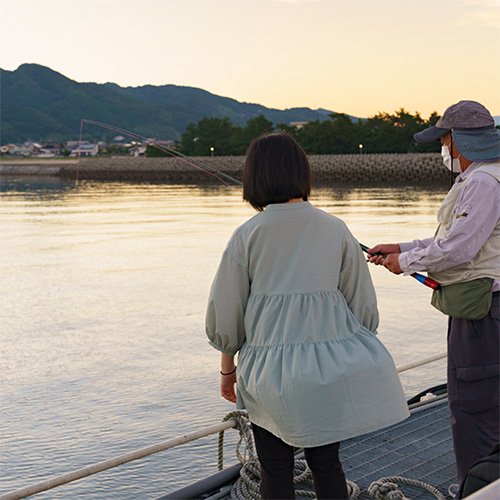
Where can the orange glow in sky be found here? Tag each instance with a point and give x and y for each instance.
(353, 56)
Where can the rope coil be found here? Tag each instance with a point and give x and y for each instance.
(247, 486)
(386, 488)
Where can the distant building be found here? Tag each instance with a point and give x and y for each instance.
(6, 148)
(49, 150)
(56, 148)
(74, 144)
(137, 151)
(298, 124)
(45, 153)
(85, 150)
(24, 150)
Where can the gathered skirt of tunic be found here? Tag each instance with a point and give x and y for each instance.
(303, 320)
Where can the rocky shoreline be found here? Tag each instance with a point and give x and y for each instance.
(368, 169)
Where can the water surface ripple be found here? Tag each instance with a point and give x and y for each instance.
(103, 348)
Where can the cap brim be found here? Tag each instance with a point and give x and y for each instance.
(430, 134)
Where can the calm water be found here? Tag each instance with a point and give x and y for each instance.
(103, 351)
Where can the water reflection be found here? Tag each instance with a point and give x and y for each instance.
(103, 296)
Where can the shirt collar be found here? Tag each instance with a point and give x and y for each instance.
(470, 169)
(287, 206)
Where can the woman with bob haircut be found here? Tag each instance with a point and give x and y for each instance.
(294, 299)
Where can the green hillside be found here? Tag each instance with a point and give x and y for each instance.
(40, 104)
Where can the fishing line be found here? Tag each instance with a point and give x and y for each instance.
(425, 280)
(172, 152)
(452, 177)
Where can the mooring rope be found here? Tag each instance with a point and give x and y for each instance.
(247, 485)
(386, 488)
(245, 429)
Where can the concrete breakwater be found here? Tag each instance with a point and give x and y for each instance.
(367, 169)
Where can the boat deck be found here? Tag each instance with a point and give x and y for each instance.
(419, 448)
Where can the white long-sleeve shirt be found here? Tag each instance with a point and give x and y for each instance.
(479, 207)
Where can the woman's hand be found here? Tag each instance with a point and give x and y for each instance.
(227, 381)
(227, 387)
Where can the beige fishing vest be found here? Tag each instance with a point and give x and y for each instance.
(486, 264)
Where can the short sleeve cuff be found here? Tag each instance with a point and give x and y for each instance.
(219, 348)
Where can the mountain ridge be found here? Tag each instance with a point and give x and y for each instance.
(43, 104)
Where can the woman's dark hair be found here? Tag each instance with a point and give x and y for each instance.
(276, 170)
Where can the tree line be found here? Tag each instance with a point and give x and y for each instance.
(338, 134)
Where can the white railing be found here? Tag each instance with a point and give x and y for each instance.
(150, 450)
(421, 362)
(114, 462)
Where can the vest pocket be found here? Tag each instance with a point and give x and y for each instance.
(478, 388)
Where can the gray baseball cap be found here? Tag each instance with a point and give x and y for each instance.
(473, 130)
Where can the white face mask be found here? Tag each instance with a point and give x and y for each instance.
(450, 165)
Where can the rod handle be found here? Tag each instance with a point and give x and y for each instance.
(426, 281)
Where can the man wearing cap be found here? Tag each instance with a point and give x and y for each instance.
(464, 257)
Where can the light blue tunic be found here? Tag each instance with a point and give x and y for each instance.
(294, 297)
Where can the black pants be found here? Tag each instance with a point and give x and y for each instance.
(276, 462)
(473, 386)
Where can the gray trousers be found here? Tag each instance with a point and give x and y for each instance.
(474, 386)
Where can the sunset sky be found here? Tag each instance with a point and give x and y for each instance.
(353, 56)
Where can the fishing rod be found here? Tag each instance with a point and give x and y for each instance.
(425, 280)
(172, 152)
